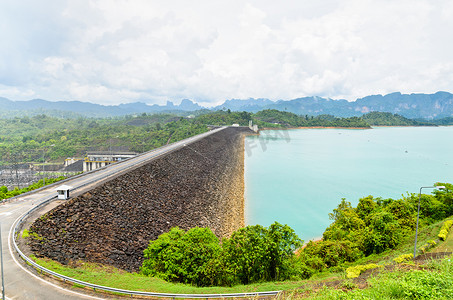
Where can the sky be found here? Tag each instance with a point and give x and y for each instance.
(118, 51)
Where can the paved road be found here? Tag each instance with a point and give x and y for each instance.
(20, 283)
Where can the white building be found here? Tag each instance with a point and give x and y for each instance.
(99, 159)
(63, 191)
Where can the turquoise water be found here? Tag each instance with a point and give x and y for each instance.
(297, 177)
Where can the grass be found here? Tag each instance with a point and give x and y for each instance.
(435, 281)
(113, 277)
(25, 234)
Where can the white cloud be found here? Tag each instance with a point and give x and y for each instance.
(124, 51)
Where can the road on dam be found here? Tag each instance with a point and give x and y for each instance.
(19, 281)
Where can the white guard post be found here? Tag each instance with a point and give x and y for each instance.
(63, 191)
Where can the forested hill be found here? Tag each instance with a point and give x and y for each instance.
(275, 118)
(388, 119)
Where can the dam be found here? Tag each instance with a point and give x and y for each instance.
(200, 184)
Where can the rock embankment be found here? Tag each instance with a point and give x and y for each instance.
(201, 184)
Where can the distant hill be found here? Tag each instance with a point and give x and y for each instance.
(77, 108)
(425, 106)
(376, 118)
(249, 105)
(412, 106)
(443, 122)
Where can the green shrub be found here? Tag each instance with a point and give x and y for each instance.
(444, 230)
(256, 253)
(430, 244)
(326, 254)
(403, 258)
(32, 235)
(353, 272)
(182, 256)
(3, 189)
(25, 234)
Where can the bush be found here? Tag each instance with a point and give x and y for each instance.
(403, 258)
(3, 189)
(326, 254)
(256, 253)
(245, 253)
(444, 230)
(182, 256)
(430, 244)
(353, 272)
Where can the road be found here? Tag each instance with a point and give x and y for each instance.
(20, 282)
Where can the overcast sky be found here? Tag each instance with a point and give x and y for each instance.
(113, 52)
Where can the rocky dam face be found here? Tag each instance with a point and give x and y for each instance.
(201, 184)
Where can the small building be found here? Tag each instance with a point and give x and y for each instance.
(98, 159)
(63, 192)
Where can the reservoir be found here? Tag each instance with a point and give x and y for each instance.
(297, 177)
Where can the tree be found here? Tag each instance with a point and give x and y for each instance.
(256, 253)
(282, 241)
(245, 252)
(365, 206)
(384, 233)
(182, 256)
(347, 224)
(445, 196)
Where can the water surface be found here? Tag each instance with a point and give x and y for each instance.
(297, 177)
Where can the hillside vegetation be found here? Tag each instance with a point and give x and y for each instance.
(388, 119)
(255, 254)
(42, 138)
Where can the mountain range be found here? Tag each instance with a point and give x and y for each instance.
(413, 106)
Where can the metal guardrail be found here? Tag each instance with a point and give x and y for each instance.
(115, 290)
